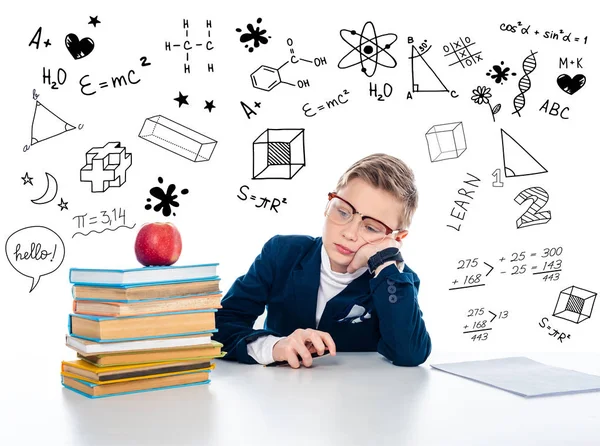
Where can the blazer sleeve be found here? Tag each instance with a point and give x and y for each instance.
(404, 338)
(244, 303)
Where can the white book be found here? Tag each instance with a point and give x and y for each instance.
(86, 347)
(523, 376)
(148, 275)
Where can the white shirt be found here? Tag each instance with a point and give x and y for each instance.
(330, 285)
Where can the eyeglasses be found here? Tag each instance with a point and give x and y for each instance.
(341, 212)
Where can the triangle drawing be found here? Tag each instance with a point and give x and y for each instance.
(518, 162)
(424, 79)
(46, 125)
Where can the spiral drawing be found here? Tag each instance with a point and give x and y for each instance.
(529, 65)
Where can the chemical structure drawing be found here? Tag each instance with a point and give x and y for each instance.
(266, 78)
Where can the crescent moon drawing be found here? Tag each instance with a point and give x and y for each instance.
(51, 191)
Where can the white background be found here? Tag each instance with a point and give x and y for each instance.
(216, 226)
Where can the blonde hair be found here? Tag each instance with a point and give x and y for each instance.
(389, 174)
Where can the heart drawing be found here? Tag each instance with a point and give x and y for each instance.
(78, 48)
(570, 85)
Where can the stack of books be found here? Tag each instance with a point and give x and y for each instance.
(142, 329)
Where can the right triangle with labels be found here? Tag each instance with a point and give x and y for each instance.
(518, 162)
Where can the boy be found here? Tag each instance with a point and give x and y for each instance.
(348, 290)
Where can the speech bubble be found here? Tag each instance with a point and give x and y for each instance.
(35, 251)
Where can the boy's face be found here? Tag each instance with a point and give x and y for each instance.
(343, 241)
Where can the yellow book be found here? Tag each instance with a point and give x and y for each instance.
(84, 371)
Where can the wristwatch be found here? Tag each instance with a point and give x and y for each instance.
(385, 255)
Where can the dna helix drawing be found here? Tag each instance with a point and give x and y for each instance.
(529, 65)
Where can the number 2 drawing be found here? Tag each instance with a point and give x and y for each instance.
(533, 216)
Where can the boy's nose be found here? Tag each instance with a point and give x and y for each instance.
(351, 229)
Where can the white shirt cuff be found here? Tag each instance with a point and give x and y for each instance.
(261, 350)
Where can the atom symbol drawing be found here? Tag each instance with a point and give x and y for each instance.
(371, 49)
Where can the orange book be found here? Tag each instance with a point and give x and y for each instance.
(119, 309)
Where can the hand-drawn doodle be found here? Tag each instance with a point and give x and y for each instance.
(249, 111)
(63, 205)
(51, 191)
(177, 138)
(275, 201)
(517, 161)
(497, 174)
(94, 21)
(482, 95)
(500, 74)
(575, 304)
(462, 192)
(37, 37)
(106, 166)
(463, 54)
(266, 78)
(256, 35)
(165, 199)
(46, 125)
(446, 141)
(566, 37)
(424, 79)
(35, 251)
(116, 81)
(187, 46)
(79, 48)
(532, 216)
(372, 49)
(210, 105)
(106, 221)
(181, 99)
(278, 154)
(307, 109)
(529, 64)
(27, 179)
(558, 334)
(570, 84)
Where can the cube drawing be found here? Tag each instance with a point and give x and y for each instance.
(446, 141)
(575, 304)
(177, 138)
(278, 153)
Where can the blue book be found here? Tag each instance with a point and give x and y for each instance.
(148, 275)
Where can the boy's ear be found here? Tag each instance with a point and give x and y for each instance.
(401, 235)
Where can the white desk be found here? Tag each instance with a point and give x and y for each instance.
(350, 399)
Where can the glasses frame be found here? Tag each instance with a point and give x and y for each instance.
(388, 230)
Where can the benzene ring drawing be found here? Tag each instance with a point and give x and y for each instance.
(371, 49)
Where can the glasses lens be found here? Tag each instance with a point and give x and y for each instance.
(339, 212)
(372, 231)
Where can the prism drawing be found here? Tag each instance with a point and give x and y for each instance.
(177, 138)
(278, 153)
(446, 141)
(575, 304)
(105, 166)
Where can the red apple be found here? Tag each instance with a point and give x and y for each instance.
(158, 244)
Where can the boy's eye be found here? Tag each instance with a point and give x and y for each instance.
(373, 227)
(343, 213)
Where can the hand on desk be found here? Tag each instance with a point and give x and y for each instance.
(303, 343)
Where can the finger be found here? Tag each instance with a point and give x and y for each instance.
(317, 343)
(292, 357)
(328, 340)
(305, 354)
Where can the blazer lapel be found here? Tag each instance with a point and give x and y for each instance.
(305, 278)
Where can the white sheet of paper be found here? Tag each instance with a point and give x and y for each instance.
(523, 376)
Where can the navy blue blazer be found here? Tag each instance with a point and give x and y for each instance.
(285, 278)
